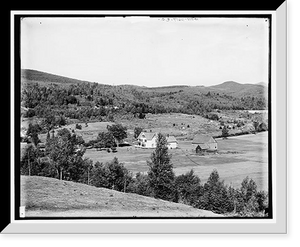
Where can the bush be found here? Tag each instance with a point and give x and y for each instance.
(212, 116)
(78, 126)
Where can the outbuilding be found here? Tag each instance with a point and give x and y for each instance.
(203, 143)
(172, 142)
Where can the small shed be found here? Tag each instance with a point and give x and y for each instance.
(203, 143)
(172, 142)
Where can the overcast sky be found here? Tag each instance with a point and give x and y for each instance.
(148, 51)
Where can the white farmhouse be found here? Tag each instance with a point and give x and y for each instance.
(147, 140)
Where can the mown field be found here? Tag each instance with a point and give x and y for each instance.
(237, 158)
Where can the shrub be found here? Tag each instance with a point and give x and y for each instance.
(212, 116)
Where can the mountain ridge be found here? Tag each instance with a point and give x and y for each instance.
(36, 75)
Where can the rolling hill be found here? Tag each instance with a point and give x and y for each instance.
(30, 75)
(49, 197)
(136, 99)
(240, 90)
(229, 87)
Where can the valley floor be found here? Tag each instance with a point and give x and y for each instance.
(237, 157)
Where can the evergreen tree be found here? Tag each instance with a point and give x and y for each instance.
(215, 195)
(188, 187)
(160, 174)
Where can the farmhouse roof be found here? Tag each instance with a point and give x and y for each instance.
(198, 139)
(148, 136)
(171, 139)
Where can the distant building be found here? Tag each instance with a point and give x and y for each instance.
(172, 142)
(203, 143)
(147, 140)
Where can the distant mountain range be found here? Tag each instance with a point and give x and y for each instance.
(231, 88)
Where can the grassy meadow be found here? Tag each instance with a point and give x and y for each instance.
(237, 156)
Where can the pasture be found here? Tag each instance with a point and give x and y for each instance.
(237, 158)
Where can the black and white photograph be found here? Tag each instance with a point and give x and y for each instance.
(145, 117)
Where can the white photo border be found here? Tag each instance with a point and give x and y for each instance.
(278, 224)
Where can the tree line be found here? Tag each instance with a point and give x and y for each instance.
(62, 159)
(86, 101)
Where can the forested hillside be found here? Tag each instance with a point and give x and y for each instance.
(45, 94)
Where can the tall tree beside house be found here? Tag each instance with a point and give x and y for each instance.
(105, 140)
(160, 174)
(118, 131)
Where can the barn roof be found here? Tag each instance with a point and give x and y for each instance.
(203, 139)
(171, 139)
(203, 146)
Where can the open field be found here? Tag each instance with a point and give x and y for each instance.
(183, 126)
(237, 158)
(89, 132)
(49, 197)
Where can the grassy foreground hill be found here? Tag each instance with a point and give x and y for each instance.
(49, 197)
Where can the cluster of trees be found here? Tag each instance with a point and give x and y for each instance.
(109, 140)
(61, 159)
